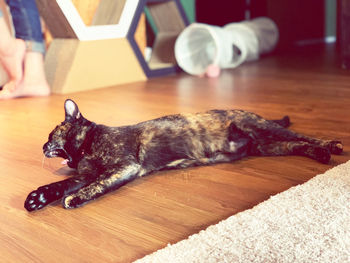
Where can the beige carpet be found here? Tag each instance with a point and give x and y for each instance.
(307, 223)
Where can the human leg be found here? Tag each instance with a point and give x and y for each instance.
(12, 52)
(26, 21)
(27, 25)
(33, 84)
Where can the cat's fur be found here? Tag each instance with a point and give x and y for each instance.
(108, 157)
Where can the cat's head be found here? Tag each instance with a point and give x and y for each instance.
(67, 138)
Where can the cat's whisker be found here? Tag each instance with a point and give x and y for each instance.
(50, 166)
(43, 161)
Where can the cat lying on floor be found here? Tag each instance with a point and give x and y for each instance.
(108, 157)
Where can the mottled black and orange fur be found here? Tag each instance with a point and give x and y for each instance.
(108, 157)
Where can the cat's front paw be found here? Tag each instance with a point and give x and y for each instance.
(72, 201)
(40, 198)
(35, 201)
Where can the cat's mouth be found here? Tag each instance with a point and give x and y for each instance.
(58, 153)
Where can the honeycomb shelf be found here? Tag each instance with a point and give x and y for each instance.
(108, 51)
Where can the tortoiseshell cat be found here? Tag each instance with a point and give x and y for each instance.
(108, 157)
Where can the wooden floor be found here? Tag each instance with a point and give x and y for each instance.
(168, 206)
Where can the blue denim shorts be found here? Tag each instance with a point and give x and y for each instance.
(26, 21)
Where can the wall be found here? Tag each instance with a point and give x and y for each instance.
(189, 6)
(300, 22)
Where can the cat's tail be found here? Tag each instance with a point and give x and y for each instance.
(284, 122)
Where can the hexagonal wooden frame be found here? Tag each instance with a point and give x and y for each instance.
(170, 19)
(67, 22)
(100, 52)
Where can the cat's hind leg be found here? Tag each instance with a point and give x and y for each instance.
(112, 180)
(264, 130)
(280, 148)
(282, 134)
(335, 147)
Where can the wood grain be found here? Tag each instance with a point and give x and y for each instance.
(72, 65)
(166, 16)
(86, 9)
(108, 12)
(59, 27)
(167, 206)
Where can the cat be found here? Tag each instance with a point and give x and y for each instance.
(107, 158)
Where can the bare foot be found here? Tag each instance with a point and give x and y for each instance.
(12, 61)
(23, 90)
(34, 82)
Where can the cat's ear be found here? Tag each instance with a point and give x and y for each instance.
(72, 110)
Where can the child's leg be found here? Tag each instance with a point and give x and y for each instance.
(26, 21)
(27, 26)
(12, 53)
(33, 83)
